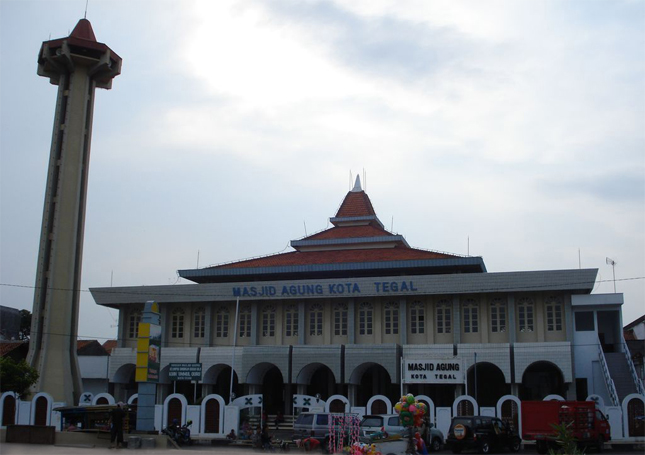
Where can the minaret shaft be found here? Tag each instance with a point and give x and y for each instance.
(74, 64)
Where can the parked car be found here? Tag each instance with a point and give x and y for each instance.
(372, 424)
(481, 433)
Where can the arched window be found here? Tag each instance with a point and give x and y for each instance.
(291, 320)
(525, 314)
(221, 322)
(498, 315)
(200, 323)
(391, 318)
(177, 323)
(444, 316)
(365, 318)
(133, 326)
(340, 319)
(268, 321)
(245, 321)
(554, 314)
(316, 320)
(418, 318)
(471, 316)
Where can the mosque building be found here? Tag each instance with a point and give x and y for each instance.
(355, 311)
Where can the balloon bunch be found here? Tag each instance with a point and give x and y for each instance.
(359, 448)
(410, 410)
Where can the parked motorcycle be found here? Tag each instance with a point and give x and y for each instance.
(179, 434)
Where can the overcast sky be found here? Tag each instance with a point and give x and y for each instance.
(514, 128)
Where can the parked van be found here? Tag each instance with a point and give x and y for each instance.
(311, 424)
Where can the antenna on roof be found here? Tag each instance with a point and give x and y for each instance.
(468, 246)
(304, 222)
(197, 259)
(86, 2)
(350, 180)
(364, 181)
(392, 225)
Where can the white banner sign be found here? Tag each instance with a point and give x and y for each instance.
(424, 371)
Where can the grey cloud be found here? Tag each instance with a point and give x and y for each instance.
(381, 46)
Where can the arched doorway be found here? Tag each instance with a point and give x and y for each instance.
(174, 411)
(322, 381)
(273, 391)
(125, 385)
(217, 379)
(318, 379)
(491, 383)
(41, 409)
(510, 413)
(541, 379)
(373, 379)
(270, 378)
(9, 410)
(635, 412)
(211, 417)
(465, 408)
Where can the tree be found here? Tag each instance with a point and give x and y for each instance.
(16, 376)
(566, 440)
(25, 325)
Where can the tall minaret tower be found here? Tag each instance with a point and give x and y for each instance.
(77, 64)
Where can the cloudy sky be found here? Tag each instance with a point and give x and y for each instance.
(511, 129)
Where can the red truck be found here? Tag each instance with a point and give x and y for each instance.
(588, 425)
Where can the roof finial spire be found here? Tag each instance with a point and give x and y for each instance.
(357, 185)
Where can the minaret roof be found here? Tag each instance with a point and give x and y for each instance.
(83, 30)
(356, 203)
(59, 56)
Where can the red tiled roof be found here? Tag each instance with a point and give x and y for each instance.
(109, 345)
(346, 232)
(7, 346)
(356, 204)
(82, 343)
(635, 322)
(296, 258)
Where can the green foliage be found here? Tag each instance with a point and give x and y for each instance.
(565, 439)
(25, 325)
(16, 376)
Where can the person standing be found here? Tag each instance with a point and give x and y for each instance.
(116, 428)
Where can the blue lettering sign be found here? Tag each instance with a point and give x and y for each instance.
(394, 286)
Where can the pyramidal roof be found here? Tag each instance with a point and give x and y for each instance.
(356, 245)
(83, 30)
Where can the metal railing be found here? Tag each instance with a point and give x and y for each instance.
(609, 382)
(632, 369)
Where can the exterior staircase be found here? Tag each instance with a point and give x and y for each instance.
(620, 373)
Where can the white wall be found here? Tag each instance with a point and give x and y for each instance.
(93, 366)
(639, 331)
